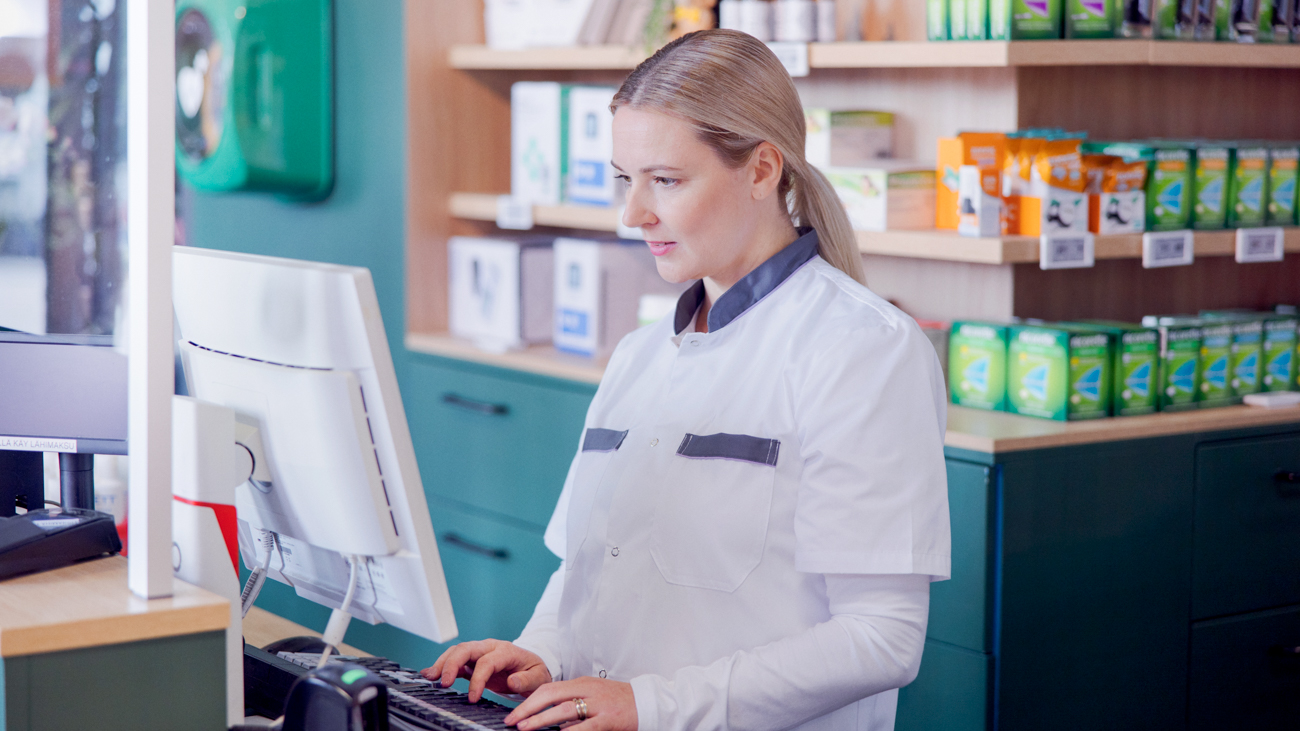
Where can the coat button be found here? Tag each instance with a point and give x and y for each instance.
(695, 343)
(613, 551)
(654, 442)
(601, 673)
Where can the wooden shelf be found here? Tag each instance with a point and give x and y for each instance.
(541, 359)
(932, 244)
(923, 54)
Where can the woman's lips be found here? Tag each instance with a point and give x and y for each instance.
(660, 248)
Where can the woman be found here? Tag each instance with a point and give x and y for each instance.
(759, 499)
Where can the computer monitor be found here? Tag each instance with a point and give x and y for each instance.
(297, 350)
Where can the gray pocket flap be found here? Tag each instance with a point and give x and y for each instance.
(730, 446)
(603, 440)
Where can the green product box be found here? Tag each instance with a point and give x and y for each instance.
(1216, 363)
(1058, 372)
(977, 365)
(1248, 187)
(1180, 362)
(1089, 19)
(957, 19)
(1280, 344)
(1000, 20)
(977, 20)
(1283, 176)
(1211, 187)
(1175, 19)
(1169, 189)
(1241, 21)
(936, 20)
(1247, 352)
(1135, 366)
(1036, 19)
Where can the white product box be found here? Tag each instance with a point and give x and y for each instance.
(1118, 213)
(507, 24)
(516, 24)
(847, 138)
(537, 142)
(591, 145)
(893, 195)
(501, 291)
(979, 212)
(598, 289)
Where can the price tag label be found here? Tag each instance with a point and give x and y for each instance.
(1066, 250)
(793, 56)
(623, 232)
(1167, 249)
(514, 214)
(1259, 244)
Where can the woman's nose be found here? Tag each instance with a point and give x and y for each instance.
(637, 214)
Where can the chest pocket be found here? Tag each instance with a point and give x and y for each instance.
(710, 523)
(598, 448)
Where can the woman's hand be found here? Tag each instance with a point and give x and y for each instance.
(501, 667)
(610, 706)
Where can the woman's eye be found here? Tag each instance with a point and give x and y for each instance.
(625, 178)
(666, 182)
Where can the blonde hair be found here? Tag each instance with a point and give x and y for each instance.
(737, 95)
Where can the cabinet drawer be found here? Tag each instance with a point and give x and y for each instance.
(496, 570)
(951, 693)
(959, 607)
(492, 441)
(1247, 554)
(1246, 672)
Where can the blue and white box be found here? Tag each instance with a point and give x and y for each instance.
(500, 291)
(591, 145)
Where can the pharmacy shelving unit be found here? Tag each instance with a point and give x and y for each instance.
(1087, 588)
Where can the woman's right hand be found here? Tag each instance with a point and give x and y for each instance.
(501, 667)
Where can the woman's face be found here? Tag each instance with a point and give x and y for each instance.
(698, 215)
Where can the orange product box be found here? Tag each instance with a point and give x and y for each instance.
(1056, 200)
(982, 149)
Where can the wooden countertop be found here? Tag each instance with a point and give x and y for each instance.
(88, 604)
(997, 432)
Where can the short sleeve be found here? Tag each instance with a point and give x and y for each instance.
(873, 496)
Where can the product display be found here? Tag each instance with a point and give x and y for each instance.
(892, 195)
(1059, 373)
(1241, 21)
(849, 138)
(500, 290)
(590, 132)
(538, 141)
(977, 365)
(984, 150)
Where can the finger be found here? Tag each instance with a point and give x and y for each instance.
(528, 680)
(547, 695)
(462, 655)
(483, 671)
(553, 716)
(435, 670)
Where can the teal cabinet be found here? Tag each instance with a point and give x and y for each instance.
(951, 692)
(1246, 672)
(959, 608)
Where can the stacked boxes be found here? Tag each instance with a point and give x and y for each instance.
(1056, 372)
(1135, 366)
(1279, 353)
(977, 365)
(1248, 187)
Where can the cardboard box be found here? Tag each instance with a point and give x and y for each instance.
(1036, 19)
(893, 195)
(1280, 344)
(999, 20)
(598, 286)
(591, 145)
(1060, 373)
(538, 141)
(977, 365)
(1089, 19)
(1117, 203)
(848, 138)
(1135, 366)
(1175, 19)
(979, 202)
(936, 20)
(1216, 363)
(981, 149)
(1248, 187)
(501, 290)
(1180, 361)
(1247, 356)
(1210, 187)
(977, 20)
(957, 19)
(1283, 176)
(1057, 201)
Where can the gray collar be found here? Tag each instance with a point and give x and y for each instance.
(750, 289)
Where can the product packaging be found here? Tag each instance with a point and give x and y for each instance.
(598, 285)
(1206, 22)
(1216, 363)
(1239, 20)
(1247, 356)
(1280, 353)
(977, 365)
(1283, 176)
(501, 290)
(1180, 361)
(1135, 366)
(1056, 201)
(1210, 191)
(957, 19)
(981, 149)
(1134, 19)
(1248, 186)
(848, 138)
(1000, 20)
(891, 195)
(1059, 373)
(1175, 19)
(1017, 172)
(538, 141)
(1089, 19)
(591, 145)
(979, 201)
(1036, 19)
(1169, 180)
(936, 20)
(1116, 195)
(977, 20)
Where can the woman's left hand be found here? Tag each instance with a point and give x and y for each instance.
(610, 706)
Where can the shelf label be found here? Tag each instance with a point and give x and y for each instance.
(37, 444)
(1066, 250)
(623, 232)
(1259, 244)
(514, 213)
(1167, 249)
(793, 56)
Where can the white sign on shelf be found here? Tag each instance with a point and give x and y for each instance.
(1167, 249)
(624, 232)
(1259, 244)
(793, 56)
(1066, 250)
(514, 213)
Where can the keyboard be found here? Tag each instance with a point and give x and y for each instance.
(419, 702)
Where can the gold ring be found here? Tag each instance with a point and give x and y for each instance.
(581, 706)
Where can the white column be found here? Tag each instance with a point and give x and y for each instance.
(151, 50)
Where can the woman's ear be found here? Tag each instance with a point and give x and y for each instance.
(765, 167)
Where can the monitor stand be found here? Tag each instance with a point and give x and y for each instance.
(77, 481)
(22, 481)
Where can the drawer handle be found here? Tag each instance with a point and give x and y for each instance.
(469, 404)
(456, 540)
(1288, 482)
